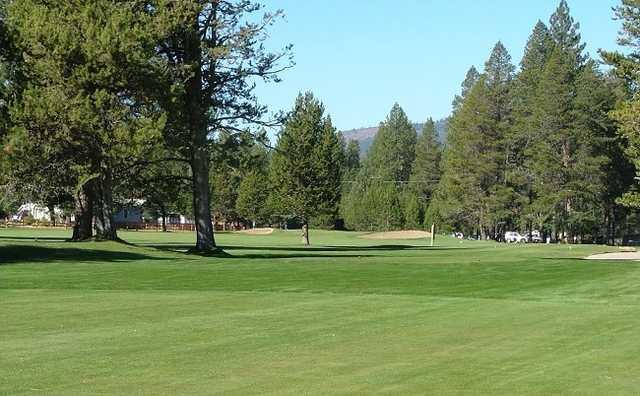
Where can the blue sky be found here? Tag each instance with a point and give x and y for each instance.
(361, 56)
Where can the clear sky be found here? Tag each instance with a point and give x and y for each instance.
(361, 56)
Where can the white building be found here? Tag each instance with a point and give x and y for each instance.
(38, 212)
(176, 218)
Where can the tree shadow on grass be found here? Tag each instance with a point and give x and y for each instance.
(33, 238)
(18, 254)
(256, 253)
(284, 252)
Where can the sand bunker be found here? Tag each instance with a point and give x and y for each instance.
(257, 231)
(634, 256)
(398, 235)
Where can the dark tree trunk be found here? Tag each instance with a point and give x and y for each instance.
(83, 213)
(52, 214)
(305, 233)
(196, 114)
(105, 225)
(201, 201)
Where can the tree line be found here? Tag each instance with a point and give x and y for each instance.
(107, 98)
(109, 101)
(548, 146)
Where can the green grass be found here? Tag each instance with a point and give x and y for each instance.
(345, 316)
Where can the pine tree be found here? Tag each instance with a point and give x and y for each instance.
(236, 156)
(393, 150)
(475, 161)
(470, 80)
(565, 33)
(597, 180)
(80, 118)
(523, 132)
(352, 156)
(374, 202)
(214, 52)
(564, 157)
(468, 172)
(252, 197)
(6, 82)
(425, 173)
(306, 169)
(627, 67)
(550, 156)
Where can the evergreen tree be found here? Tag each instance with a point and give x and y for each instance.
(236, 156)
(499, 72)
(79, 120)
(523, 132)
(252, 197)
(306, 168)
(598, 179)
(393, 150)
(565, 33)
(627, 67)
(6, 82)
(214, 52)
(374, 201)
(468, 174)
(413, 211)
(550, 156)
(470, 80)
(474, 166)
(565, 157)
(352, 156)
(425, 173)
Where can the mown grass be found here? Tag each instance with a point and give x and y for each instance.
(345, 316)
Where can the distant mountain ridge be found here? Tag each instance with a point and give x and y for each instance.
(365, 136)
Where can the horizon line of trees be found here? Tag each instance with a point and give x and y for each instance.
(156, 102)
(533, 148)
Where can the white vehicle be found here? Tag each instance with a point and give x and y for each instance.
(535, 237)
(514, 237)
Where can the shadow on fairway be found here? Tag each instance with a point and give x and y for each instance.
(34, 239)
(284, 252)
(340, 248)
(17, 254)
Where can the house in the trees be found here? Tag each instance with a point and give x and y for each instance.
(36, 212)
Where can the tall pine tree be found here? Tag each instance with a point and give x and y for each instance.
(425, 173)
(375, 199)
(306, 168)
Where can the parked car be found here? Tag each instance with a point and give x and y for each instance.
(514, 237)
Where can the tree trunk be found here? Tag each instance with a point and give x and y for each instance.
(201, 201)
(83, 213)
(52, 214)
(196, 114)
(105, 225)
(612, 233)
(305, 233)
(163, 215)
